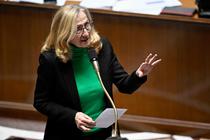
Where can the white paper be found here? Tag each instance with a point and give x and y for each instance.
(171, 3)
(60, 2)
(30, 1)
(107, 117)
(152, 7)
(98, 3)
(136, 6)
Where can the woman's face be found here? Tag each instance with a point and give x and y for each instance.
(83, 27)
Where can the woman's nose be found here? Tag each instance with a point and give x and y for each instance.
(85, 32)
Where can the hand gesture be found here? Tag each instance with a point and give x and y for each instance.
(147, 66)
(84, 122)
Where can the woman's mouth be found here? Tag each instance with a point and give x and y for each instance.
(83, 40)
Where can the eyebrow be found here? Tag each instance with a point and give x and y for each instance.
(83, 23)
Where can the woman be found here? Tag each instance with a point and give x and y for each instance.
(67, 90)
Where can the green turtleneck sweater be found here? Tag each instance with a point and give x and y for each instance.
(90, 91)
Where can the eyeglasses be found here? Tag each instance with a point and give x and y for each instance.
(80, 28)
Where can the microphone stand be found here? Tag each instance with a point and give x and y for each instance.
(93, 58)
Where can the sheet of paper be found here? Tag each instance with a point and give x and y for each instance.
(171, 3)
(107, 117)
(32, 1)
(142, 7)
(152, 7)
(98, 3)
(60, 2)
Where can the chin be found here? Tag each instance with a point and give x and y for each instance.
(84, 44)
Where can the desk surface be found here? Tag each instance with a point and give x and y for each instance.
(186, 3)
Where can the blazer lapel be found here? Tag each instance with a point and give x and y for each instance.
(67, 74)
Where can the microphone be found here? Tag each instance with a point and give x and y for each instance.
(94, 59)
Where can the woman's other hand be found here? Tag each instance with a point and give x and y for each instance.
(147, 66)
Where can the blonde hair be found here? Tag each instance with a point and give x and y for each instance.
(62, 31)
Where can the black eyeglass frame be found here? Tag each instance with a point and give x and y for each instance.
(86, 26)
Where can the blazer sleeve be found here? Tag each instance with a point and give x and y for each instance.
(44, 87)
(126, 83)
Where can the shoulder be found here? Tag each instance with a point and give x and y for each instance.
(106, 54)
(105, 42)
(47, 56)
(106, 45)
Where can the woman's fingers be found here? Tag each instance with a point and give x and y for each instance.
(89, 121)
(152, 59)
(148, 58)
(156, 62)
(84, 122)
(85, 129)
(147, 66)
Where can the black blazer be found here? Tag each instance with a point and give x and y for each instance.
(56, 94)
